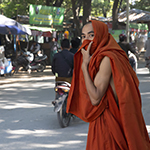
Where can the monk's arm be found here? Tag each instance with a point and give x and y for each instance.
(97, 89)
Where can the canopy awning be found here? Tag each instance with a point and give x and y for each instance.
(135, 15)
(40, 31)
(38, 28)
(10, 26)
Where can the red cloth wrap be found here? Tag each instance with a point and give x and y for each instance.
(110, 127)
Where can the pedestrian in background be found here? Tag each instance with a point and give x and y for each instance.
(147, 53)
(104, 92)
(53, 49)
(128, 48)
(75, 43)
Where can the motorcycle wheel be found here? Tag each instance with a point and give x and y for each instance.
(63, 117)
(14, 71)
(41, 66)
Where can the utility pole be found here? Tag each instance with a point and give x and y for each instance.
(127, 24)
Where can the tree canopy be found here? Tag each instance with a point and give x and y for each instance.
(142, 4)
(75, 8)
(102, 8)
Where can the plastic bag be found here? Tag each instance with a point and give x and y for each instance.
(6, 63)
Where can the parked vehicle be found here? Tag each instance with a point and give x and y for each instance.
(5, 63)
(38, 64)
(28, 62)
(61, 93)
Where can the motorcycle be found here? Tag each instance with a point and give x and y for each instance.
(61, 94)
(38, 64)
(147, 59)
(29, 62)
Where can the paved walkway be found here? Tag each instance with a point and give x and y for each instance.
(142, 73)
(22, 75)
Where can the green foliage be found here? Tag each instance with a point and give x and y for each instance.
(122, 6)
(68, 8)
(11, 8)
(102, 8)
(142, 4)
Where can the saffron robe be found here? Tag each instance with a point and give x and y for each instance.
(111, 127)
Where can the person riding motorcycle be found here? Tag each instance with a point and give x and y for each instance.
(35, 47)
(62, 64)
(62, 68)
(127, 48)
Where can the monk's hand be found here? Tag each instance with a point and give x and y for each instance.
(86, 55)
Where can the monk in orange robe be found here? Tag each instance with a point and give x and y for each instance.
(104, 92)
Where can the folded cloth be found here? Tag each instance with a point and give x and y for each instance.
(111, 127)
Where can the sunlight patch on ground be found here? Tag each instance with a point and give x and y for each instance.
(15, 121)
(27, 90)
(20, 105)
(33, 78)
(33, 84)
(12, 89)
(148, 128)
(81, 134)
(22, 145)
(71, 142)
(15, 137)
(38, 133)
(142, 71)
(17, 81)
(144, 81)
(46, 145)
(1, 121)
(145, 93)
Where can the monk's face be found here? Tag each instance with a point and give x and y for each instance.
(87, 32)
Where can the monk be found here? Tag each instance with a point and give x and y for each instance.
(104, 92)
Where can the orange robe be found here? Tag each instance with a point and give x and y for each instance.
(110, 127)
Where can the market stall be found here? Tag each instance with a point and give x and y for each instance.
(11, 27)
(44, 22)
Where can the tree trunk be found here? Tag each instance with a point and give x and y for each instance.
(76, 5)
(57, 3)
(86, 11)
(104, 12)
(47, 3)
(115, 15)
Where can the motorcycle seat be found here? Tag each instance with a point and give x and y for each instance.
(39, 58)
(67, 79)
